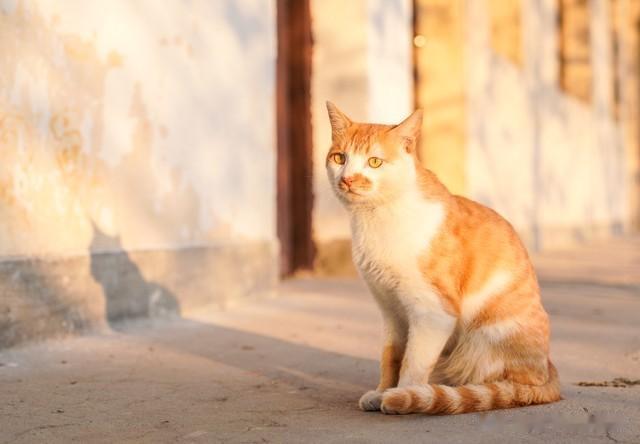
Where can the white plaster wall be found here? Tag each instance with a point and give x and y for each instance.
(548, 162)
(153, 120)
(390, 60)
(362, 62)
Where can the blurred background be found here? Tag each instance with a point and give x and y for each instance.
(161, 156)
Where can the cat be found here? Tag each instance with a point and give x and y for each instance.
(464, 327)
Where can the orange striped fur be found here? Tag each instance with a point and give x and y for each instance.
(465, 330)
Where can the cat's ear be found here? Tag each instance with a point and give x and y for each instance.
(409, 130)
(339, 121)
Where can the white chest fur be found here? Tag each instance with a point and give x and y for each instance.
(387, 245)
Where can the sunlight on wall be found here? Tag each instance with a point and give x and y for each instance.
(153, 120)
(551, 164)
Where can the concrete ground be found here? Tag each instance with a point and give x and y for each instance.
(291, 369)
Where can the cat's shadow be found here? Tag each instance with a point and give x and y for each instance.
(128, 295)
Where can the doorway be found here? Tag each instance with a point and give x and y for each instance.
(294, 145)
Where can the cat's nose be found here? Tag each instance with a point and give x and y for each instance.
(347, 181)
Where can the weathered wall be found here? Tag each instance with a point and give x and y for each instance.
(552, 163)
(135, 126)
(625, 16)
(362, 62)
(143, 118)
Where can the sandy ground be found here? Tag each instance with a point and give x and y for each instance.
(291, 369)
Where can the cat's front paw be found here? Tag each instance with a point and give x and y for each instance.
(371, 401)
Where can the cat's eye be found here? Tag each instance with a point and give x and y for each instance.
(338, 158)
(375, 162)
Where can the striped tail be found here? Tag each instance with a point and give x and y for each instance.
(442, 399)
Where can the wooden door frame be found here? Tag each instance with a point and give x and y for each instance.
(294, 143)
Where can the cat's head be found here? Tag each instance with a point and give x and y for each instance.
(371, 164)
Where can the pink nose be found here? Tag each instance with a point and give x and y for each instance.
(347, 181)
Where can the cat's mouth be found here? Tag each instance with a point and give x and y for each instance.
(350, 195)
(349, 191)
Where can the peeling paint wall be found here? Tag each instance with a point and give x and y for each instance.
(152, 121)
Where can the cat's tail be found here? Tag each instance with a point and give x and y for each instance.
(442, 399)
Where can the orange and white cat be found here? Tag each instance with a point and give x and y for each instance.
(465, 330)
